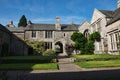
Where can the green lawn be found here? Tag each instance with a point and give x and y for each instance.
(99, 64)
(28, 66)
(29, 57)
(95, 56)
(27, 63)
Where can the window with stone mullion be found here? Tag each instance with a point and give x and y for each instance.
(48, 34)
(33, 34)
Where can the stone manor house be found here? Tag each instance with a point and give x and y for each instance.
(106, 22)
(54, 35)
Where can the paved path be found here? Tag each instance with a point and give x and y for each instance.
(66, 64)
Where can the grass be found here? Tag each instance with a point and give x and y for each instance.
(27, 63)
(99, 64)
(95, 56)
(28, 66)
(28, 57)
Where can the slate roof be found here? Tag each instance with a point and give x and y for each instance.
(64, 27)
(69, 27)
(108, 13)
(41, 27)
(15, 29)
(115, 17)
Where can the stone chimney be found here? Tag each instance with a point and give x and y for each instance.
(11, 24)
(57, 25)
(118, 4)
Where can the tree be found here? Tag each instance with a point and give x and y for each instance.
(79, 40)
(95, 37)
(23, 21)
(89, 47)
(38, 46)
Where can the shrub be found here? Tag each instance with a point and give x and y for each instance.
(49, 52)
(95, 36)
(69, 49)
(89, 47)
(79, 40)
(37, 46)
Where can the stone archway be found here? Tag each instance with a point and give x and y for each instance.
(59, 47)
(86, 33)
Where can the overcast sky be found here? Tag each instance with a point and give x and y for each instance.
(45, 11)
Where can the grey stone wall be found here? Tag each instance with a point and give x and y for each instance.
(4, 38)
(19, 35)
(15, 43)
(18, 47)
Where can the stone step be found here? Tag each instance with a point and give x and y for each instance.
(68, 67)
(66, 60)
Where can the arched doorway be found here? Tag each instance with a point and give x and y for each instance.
(58, 47)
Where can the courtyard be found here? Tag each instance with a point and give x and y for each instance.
(76, 67)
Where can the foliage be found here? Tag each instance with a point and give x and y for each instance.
(89, 47)
(69, 49)
(95, 37)
(75, 36)
(22, 21)
(57, 49)
(49, 52)
(38, 46)
(79, 40)
(5, 49)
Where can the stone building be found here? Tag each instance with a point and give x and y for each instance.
(4, 39)
(85, 29)
(107, 23)
(113, 31)
(54, 35)
(11, 43)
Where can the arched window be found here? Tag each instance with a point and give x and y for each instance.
(86, 33)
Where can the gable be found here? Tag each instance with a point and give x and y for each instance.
(84, 26)
(96, 15)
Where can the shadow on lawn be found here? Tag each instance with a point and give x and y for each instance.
(80, 75)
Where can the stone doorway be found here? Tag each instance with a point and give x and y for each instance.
(58, 47)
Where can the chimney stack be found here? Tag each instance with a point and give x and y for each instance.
(57, 25)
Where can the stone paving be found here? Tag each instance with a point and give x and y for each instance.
(66, 64)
